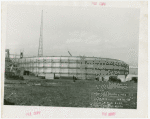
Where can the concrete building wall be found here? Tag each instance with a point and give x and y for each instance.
(81, 67)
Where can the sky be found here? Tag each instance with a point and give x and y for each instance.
(90, 31)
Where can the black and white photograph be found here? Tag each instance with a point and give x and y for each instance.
(71, 56)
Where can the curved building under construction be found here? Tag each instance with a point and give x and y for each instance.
(69, 66)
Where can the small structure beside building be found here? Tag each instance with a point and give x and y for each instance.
(133, 70)
(50, 76)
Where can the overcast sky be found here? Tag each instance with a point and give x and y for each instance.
(94, 31)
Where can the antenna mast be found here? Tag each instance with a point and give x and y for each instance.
(40, 50)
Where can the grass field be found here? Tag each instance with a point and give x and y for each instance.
(66, 93)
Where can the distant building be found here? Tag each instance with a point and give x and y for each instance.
(133, 70)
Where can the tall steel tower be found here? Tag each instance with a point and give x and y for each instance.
(40, 50)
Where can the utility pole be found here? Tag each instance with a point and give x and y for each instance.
(40, 50)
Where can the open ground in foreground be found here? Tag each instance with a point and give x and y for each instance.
(66, 93)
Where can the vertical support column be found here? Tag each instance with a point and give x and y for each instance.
(85, 69)
(77, 67)
(60, 68)
(52, 66)
(84, 73)
(43, 67)
(68, 67)
(31, 65)
(36, 67)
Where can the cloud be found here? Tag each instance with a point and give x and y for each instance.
(73, 40)
(83, 37)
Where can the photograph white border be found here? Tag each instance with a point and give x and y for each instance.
(63, 112)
